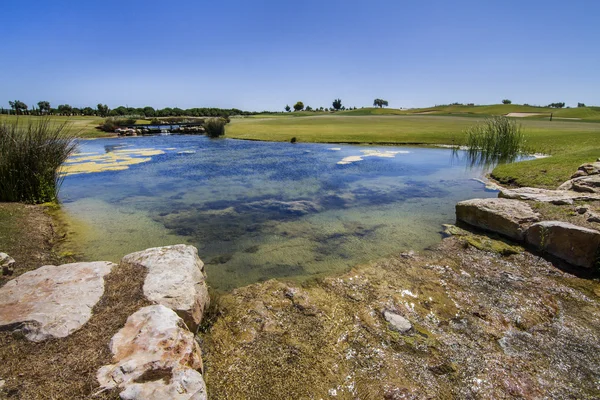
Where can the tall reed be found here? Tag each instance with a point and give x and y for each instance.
(215, 127)
(30, 156)
(495, 140)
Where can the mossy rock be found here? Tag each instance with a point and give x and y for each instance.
(491, 245)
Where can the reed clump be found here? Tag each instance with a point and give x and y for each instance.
(30, 156)
(495, 140)
(215, 127)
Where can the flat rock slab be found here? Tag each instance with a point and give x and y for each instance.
(507, 217)
(52, 301)
(575, 244)
(558, 197)
(155, 357)
(175, 279)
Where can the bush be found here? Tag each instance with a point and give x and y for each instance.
(30, 156)
(293, 140)
(112, 123)
(506, 101)
(215, 127)
(496, 140)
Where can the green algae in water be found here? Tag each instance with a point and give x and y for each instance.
(259, 210)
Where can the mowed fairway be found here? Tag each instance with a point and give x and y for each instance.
(570, 143)
(80, 126)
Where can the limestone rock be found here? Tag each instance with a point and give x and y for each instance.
(558, 197)
(593, 217)
(589, 184)
(397, 322)
(7, 264)
(585, 184)
(507, 217)
(52, 301)
(155, 357)
(175, 279)
(587, 169)
(575, 244)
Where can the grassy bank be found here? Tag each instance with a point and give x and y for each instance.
(83, 127)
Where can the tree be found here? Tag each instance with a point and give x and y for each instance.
(380, 103)
(337, 104)
(506, 101)
(556, 105)
(44, 107)
(18, 106)
(87, 111)
(149, 111)
(308, 108)
(65, 109)
(299, 106)
(579, 105)
(287, 108)
(102, 110)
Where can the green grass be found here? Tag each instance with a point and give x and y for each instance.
(83, 127)
(571, 143)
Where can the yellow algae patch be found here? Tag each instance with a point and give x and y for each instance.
(372, 153)
(113, 161)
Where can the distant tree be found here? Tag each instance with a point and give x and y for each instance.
(380, 103)
(337, 104)
(88, 111)
(299, 106)
(288, 108)
(556, 105)
(102, 110)
(320, 108)
(44, 107)
(64, 109)
(149, 111)
(308, 108)
(580, 105)
(506, 101)
(18, 106)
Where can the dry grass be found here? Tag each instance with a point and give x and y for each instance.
(568, 213)
(66, 368)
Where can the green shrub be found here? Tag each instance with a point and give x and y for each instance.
(496, 140)
(112, 123)
(293, 140)
(30, 156)
(215, 127)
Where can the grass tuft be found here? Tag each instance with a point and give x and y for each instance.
(495, 140)
(215, 127)
(30, 155)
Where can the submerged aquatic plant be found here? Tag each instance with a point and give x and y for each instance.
(215, 127)
(496, 140)
(30, 155)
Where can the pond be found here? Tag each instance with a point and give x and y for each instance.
(262, 210)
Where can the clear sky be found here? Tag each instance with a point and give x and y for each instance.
(262, 55)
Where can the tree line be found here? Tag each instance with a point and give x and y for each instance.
(18, 107)
(336, 105)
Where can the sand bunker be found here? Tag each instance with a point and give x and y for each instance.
(523, 114)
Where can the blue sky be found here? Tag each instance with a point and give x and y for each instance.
(262, 55)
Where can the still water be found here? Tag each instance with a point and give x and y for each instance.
(261, 210)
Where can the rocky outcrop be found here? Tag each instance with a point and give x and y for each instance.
(507, 217)
(558, 197)
(6, 264)
(175, 279)
(52, 301)
(576, 245)
(587, 169)
(584, 184)
(155, 357)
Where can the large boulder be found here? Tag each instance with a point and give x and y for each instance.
(585, 184)
(575, 244)
(155, 357)
(52, 301)
(175, 279)
(587, 169)
(559, 197)
(507, 217)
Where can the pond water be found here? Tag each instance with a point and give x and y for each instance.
(261, 210)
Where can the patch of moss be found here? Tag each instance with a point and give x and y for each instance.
(491, 245)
